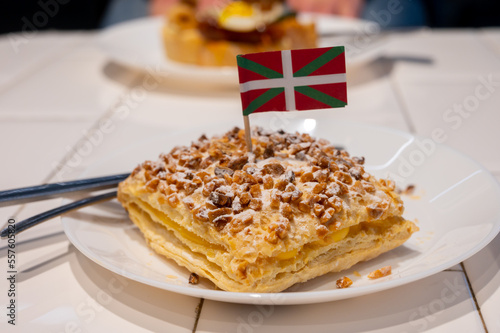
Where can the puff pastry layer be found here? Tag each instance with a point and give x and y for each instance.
(295, 209)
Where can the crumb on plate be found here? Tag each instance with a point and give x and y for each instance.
(381, 272)
(343, 282)
(194, 278)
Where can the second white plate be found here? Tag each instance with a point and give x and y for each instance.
(138, 43)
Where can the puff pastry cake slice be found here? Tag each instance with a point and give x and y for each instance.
(294, 209)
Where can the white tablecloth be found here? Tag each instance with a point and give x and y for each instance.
(57, 88)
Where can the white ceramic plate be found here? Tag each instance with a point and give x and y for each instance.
(138, 43)
(455, 206)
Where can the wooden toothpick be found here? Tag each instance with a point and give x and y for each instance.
(248, 136)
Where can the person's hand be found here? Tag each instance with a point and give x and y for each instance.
(350, 8)
(160, 7)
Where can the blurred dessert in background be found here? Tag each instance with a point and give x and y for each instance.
(215, 35)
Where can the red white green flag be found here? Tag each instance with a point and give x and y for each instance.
(293, 80)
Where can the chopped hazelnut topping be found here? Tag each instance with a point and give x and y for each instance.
(299, 147)
(206, 162)
(368, 186)
(336, 226)
(255, 204)
(238, 162)
(274, 169)
(208, 188)
(356, 172)
(299, 172)
(318, 210)
(215, 213)
(281, 184)
(314, 199)
(301, 156)
(268, 152)
(296, 195)
(210, 205)
(220, 199)
(236, 206)
(228, 179)
(268, 182)
(136, 170)
(375, 211)
(381, 272)
(152, 185)
(388, 183)
(171, 179)
(272, 238)
(221, 221)
(359, 160)
(331, 211)
(204, 176)
(304, 207)
(286, 196)
(343, 189)
(343, 177)
(333, 167)
(163, 188)
(358, 188)
(241, 177)
(321, 231)
(321, 176)
(259, 178)
(245, 198)
(319, 188)
(255, 191)
(249, 168)
(221, 172)
(275, 199)
(173, 200)
(219, 181)
(323, 162)
(190, 187)
(148, 175)
(189, 203)
(148, 165)
(193, 163)
(280, 227)
(290, 188)
(335, 203)
(290, 176)
(286, 210)
(307, 177)
(201, 214)
(332, 190)
(197, 180)
(323, 141)
(343, 167)
(239, 223)
(326, 217)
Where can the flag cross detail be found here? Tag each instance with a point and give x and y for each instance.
(293, 80)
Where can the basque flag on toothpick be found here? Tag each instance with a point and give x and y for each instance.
(293, 80)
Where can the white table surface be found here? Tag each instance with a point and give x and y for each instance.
(56, 90)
